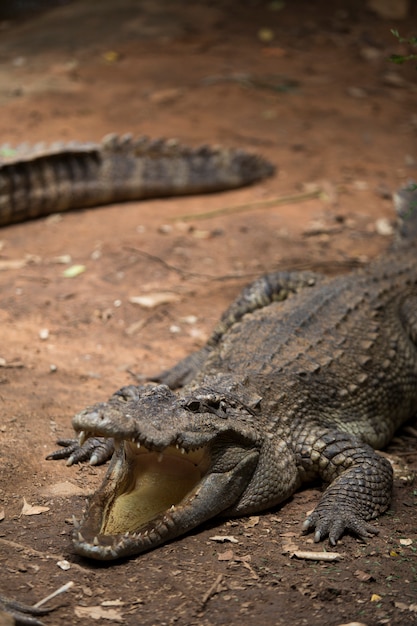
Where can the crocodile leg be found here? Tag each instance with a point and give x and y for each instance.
(360, 484)
(273, 287)
(20, 614)
(96, 450)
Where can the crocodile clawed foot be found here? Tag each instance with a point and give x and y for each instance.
(96, 450)
(325, 524)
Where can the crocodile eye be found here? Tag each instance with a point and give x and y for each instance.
(128, 393)
(193, 405)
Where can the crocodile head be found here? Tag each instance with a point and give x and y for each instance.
(179, 460)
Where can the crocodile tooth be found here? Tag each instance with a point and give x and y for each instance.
(95, 541)
(138, 444)
(182, 450)
(80, 538)
(75, 522)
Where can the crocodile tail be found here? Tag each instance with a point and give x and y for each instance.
(39, 180)
(405, 200)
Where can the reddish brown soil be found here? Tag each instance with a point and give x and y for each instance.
(323, 103)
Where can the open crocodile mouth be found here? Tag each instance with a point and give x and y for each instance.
(143, 495)
(150, 484)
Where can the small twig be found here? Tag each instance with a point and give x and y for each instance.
(54, 594)
(212, 590)
(10, 364)
(250, 568)
(168, 266)
(182, 272)
(296, 264)
(317, 556)
(261, 204)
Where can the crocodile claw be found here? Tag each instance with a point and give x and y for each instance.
(334, 526)
(95, 450)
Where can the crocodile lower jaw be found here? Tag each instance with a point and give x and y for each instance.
(142, 494)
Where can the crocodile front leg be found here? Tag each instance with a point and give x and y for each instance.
(20, 614)
(360, 484)
(96, 450)
(273, 287)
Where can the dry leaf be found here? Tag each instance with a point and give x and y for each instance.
(252, 521)
(289, 547)
(226, 556)
(29, 509)
(224, 538)
(406, 542)
(97, 612)
(152, 300)
(364, 577)
(375, 597)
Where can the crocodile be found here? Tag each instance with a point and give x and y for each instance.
(42, 179)
(303, 378)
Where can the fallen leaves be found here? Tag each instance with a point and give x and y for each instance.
(98, 612)
(364, 577)
(30, 509)
(230, 556)
(227, 555)
(406, 542)
(406, 607)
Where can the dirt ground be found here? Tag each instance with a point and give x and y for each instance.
(308, 85)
